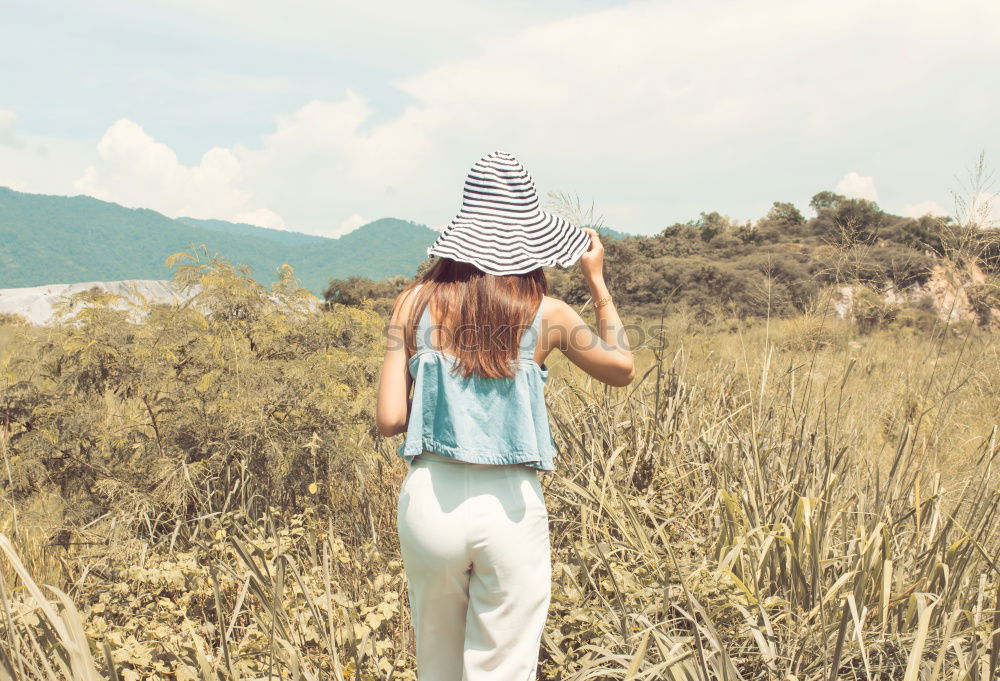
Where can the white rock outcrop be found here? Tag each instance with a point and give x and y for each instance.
(947, 289)
(37, 303)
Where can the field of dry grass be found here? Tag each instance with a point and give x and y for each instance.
(776, 500)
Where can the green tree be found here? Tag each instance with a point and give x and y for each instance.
(355, 290)
(851, 221)
(711, 224)
(785, 213)
(823, 200)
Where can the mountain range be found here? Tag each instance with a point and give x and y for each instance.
(55, 239)
(62, 240)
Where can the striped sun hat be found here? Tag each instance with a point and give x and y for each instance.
(501, 229)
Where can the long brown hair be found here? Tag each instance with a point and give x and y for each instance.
(481, 316)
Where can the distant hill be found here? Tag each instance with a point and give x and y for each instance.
(62, 240)
(383, 248)
(243, 229)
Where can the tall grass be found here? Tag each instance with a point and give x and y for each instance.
(768, 502)
(778, 546)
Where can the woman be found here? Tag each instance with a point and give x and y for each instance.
(471, 338)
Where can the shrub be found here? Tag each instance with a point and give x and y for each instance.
(151, 420)
(12, 319)
(356, 290)
(918, 315)
(985, 300)
(871, 311)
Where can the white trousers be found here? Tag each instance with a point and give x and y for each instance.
(475, 547)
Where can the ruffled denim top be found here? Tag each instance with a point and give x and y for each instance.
(478, 420)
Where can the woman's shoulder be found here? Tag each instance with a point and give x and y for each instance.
(558, 316)
(404, 302)
(555, 308)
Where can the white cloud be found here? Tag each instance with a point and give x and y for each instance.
(632, 106)
(42, 164)
(7, 120)
(262, 217)
(136, 170)
(655, 110)
(855, 186)
(983, 209)
(403, 32)
(13, 183)
(918, 210)
(320, 164)
(352, 223)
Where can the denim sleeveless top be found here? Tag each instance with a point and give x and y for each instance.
(478, 420)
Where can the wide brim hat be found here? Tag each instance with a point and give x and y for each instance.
(501, 228)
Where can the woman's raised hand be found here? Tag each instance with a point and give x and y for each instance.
(605, 355)
(592, 262)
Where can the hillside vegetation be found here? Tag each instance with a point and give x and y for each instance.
(783, 265)
(772, 499)
(62, 240)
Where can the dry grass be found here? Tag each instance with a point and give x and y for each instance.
(770, 501)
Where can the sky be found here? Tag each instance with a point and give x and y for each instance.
(320, 116)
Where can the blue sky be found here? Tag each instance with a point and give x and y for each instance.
(318, 116)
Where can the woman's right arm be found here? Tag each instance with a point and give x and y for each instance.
(605, 355)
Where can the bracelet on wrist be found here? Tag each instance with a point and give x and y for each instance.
(601, 302)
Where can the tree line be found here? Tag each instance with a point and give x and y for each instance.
(774, 266)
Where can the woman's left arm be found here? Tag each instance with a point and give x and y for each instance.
(392, 412)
